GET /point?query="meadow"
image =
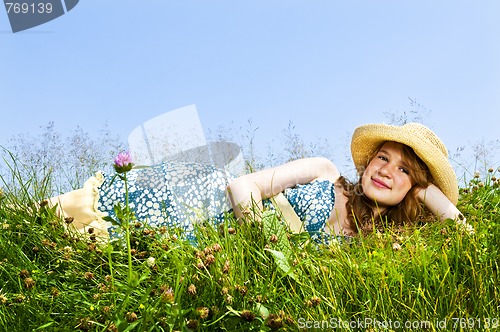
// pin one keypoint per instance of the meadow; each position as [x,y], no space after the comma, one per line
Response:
[248,277]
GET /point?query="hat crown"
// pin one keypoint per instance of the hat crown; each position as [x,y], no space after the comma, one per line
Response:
[427,135]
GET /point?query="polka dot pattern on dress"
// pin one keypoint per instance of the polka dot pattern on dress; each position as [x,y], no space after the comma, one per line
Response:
[313,203]
[176,195]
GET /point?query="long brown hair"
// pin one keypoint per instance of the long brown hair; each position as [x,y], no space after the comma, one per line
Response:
[360,208]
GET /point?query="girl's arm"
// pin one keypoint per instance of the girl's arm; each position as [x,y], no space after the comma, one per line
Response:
[434,199]
[437,202]
[249,190]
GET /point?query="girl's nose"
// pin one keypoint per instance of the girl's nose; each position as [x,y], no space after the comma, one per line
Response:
[384,171]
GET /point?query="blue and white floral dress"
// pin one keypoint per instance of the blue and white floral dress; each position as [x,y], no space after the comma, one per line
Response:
[313,203]
[177,195]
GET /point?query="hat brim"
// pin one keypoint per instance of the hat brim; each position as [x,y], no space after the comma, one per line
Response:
[367,138]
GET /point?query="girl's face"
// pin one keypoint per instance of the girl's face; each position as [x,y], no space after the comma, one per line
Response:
[386,179]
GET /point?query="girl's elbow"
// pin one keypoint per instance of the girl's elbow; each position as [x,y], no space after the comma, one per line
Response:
[328,170]
[232,186]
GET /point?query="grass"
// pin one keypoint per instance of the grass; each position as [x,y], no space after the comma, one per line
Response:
[252,277]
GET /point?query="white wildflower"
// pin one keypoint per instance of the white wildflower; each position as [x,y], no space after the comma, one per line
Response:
[150,261]
[396,246]
[464,226]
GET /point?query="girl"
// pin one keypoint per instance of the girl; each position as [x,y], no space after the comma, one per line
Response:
[400,167]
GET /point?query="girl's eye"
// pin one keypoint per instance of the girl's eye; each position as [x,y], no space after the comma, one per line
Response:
[404,170]
[384,158]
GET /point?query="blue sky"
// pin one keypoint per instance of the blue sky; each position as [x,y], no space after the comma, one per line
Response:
[327,66]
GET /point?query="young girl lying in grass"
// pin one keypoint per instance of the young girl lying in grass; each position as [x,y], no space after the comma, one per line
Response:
[401,168]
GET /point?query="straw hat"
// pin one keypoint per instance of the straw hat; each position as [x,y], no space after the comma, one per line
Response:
[421,139]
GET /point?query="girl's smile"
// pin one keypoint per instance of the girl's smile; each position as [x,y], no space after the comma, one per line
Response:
[380,183]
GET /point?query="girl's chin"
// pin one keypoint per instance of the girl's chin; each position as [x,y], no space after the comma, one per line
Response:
[379,201]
